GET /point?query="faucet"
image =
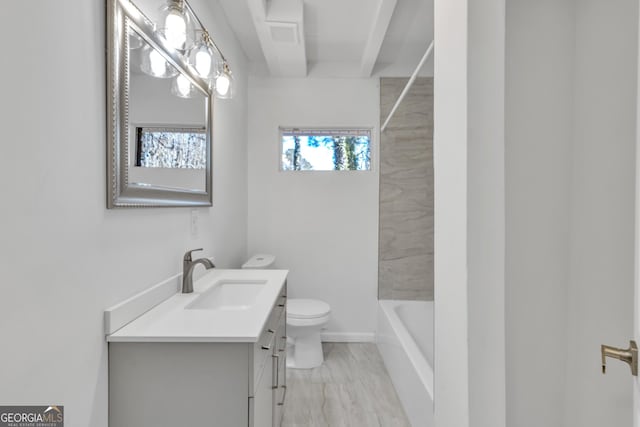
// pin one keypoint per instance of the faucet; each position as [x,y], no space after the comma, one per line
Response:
[187,270]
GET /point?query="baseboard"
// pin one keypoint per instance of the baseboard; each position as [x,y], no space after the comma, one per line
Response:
[348,337]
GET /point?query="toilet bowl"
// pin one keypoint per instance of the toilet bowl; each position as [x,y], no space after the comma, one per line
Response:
[305,319]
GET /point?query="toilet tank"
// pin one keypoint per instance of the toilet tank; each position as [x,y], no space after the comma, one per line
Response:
[260,262]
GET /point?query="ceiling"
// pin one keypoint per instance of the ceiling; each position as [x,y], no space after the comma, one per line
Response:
[333,38]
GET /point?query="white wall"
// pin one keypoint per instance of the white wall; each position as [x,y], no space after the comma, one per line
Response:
[539,134]
[451,407]
[469,213]
[322,226]
[486,212]
[64,257]
[602,211]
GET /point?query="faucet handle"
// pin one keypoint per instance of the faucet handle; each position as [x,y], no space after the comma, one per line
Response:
[187,255]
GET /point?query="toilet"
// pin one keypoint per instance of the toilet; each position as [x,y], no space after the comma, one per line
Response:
[305,319]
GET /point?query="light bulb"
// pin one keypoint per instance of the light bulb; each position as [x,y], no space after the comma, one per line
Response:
[183,86]
[222,84]
[157,62]
[175,29]
[203,63]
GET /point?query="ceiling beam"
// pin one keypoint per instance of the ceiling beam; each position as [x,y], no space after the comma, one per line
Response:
[379,27]
[280,28]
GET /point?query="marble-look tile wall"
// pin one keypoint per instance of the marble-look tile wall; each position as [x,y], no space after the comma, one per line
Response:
[405,269]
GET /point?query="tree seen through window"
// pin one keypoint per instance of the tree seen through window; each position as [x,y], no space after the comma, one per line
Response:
[331,151]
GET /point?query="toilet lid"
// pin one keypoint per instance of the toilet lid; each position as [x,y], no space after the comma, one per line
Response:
[307,308]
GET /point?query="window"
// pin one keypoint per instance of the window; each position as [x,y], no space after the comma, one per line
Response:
[325,149]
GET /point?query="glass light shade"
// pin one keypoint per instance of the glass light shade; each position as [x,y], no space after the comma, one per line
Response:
[224,84]
[176,25]
[182,87]
[203,59]
[154,64]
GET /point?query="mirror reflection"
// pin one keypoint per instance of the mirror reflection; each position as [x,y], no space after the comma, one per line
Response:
[167,121]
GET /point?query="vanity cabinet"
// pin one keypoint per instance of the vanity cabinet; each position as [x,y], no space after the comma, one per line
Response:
[269,370]
[216,384]
[280,386]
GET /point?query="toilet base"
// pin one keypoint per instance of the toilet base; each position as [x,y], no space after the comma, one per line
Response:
[305,352]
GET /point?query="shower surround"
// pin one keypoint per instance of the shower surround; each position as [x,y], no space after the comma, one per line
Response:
[405,260]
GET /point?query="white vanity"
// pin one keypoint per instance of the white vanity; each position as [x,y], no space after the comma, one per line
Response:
[215,357]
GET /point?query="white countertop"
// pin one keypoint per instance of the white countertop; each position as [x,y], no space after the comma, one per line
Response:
[170,321]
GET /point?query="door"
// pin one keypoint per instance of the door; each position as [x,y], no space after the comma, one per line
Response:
[636,306]
[261,405]
[629,354]
[617,399]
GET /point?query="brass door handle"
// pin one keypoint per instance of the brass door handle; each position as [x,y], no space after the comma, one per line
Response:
[629,355]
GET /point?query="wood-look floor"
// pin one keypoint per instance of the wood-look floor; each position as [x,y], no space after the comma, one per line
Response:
[351,389]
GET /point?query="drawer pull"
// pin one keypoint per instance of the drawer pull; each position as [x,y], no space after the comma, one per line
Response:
[266,347]
[271,331]
[280,305]
[276,365]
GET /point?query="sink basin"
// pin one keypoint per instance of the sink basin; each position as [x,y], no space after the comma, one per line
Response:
[229,295]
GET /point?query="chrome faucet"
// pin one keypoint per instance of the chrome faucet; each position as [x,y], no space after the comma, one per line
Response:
[187,270]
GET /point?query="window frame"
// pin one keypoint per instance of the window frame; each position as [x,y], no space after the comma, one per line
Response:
[328,130]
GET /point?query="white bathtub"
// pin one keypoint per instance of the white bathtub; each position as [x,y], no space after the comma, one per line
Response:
[405,340]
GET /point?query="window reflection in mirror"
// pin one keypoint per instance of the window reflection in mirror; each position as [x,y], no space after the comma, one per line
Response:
[183,148]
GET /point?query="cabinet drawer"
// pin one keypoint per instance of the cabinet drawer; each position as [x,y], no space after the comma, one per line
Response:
[261,404]
[280,389]
[262,355]
[269,341]
[282,361]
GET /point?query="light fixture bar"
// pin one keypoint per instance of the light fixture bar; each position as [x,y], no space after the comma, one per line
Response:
[210,40]
[145,28]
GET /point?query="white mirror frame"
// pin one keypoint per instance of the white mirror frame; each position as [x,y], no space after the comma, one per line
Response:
[120,192]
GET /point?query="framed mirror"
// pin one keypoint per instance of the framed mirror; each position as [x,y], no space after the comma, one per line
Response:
[159,118]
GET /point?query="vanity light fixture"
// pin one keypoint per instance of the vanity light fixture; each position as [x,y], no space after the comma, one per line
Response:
[177,26]
[221,79]
[179,30]
[182,87]
[155,65]
[204,58]
[224,83]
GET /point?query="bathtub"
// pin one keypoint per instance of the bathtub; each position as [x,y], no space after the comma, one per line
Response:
[405,340]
